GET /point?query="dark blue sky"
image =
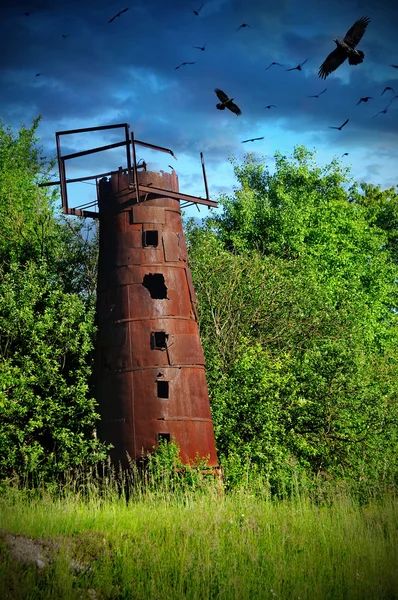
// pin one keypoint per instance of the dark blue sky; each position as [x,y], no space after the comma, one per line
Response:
[124,71]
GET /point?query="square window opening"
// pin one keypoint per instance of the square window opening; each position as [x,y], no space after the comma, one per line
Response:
[150,237]
[159,340]
[163,437]
[163,389]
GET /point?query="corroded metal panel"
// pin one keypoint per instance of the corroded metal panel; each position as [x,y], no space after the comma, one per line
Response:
[185,349]
[137,256]
[190,285]
[150,371]
[170,245]
[182,247]
[148,214]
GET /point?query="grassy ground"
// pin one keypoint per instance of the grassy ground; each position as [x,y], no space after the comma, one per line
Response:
[199,546]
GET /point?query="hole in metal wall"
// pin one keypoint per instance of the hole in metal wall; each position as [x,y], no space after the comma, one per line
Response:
[163,389]
[154,283]
[159,340]
[150,237]
[163,437]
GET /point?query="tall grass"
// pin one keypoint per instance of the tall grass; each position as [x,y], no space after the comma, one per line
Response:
[176,540]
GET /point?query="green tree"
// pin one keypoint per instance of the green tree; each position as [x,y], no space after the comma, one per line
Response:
[47,293]
[296,281]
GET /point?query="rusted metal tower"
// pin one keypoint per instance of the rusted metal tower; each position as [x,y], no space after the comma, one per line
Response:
[150,368]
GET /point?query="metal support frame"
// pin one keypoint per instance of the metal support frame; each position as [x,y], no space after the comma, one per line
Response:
[132,172]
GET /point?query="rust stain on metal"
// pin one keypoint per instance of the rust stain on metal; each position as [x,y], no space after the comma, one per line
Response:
[150,367]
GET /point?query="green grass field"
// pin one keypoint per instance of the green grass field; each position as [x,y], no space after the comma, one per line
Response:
[200,546]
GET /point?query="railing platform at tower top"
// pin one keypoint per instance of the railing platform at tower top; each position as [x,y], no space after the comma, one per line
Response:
[131,170]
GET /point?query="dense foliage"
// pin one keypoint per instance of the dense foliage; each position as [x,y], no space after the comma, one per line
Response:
[47,278]
[296,282]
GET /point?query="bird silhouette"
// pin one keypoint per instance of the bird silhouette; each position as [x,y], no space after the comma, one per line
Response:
[341,126]
[243,25]
[203,48]
[345,49]
[118,14]
[364,99]
[184,63]
[252,140]
[197,11]
[38,74]
[317,95]
[298,68]
[272,64]
[395,66]
[345,154]
[384,111]
[65,35]
[26,14]
[270,105]
[387,88]
[226,102]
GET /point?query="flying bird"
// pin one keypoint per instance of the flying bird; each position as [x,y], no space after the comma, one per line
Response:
[387,88]
[197,11]
[118,14]
[252,140]
[346,49]
[298,68]
[27,14]
[364,99]
[341,126]
[317,95]
[395,66]
[38,74]
[184,63]
[65,35]
[272,64]
[243,25]
[226,102]
[384,111]
[269,105]
[345,154]
[203,48]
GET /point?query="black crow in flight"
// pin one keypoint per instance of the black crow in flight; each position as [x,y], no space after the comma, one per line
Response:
[65,35]
[203,48]
[243,25]
[226,102]
[364,99]
[184,63]
[38,74]
[252,140]
[272,64]
[317,95]
[395,66]
[346,49]
[345,154]
[384,111]
[197,11]
[387,88]
[118,14]
[341,126]
[298,68]
[269,106]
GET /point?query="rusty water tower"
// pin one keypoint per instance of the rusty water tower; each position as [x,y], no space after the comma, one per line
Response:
[150,368]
